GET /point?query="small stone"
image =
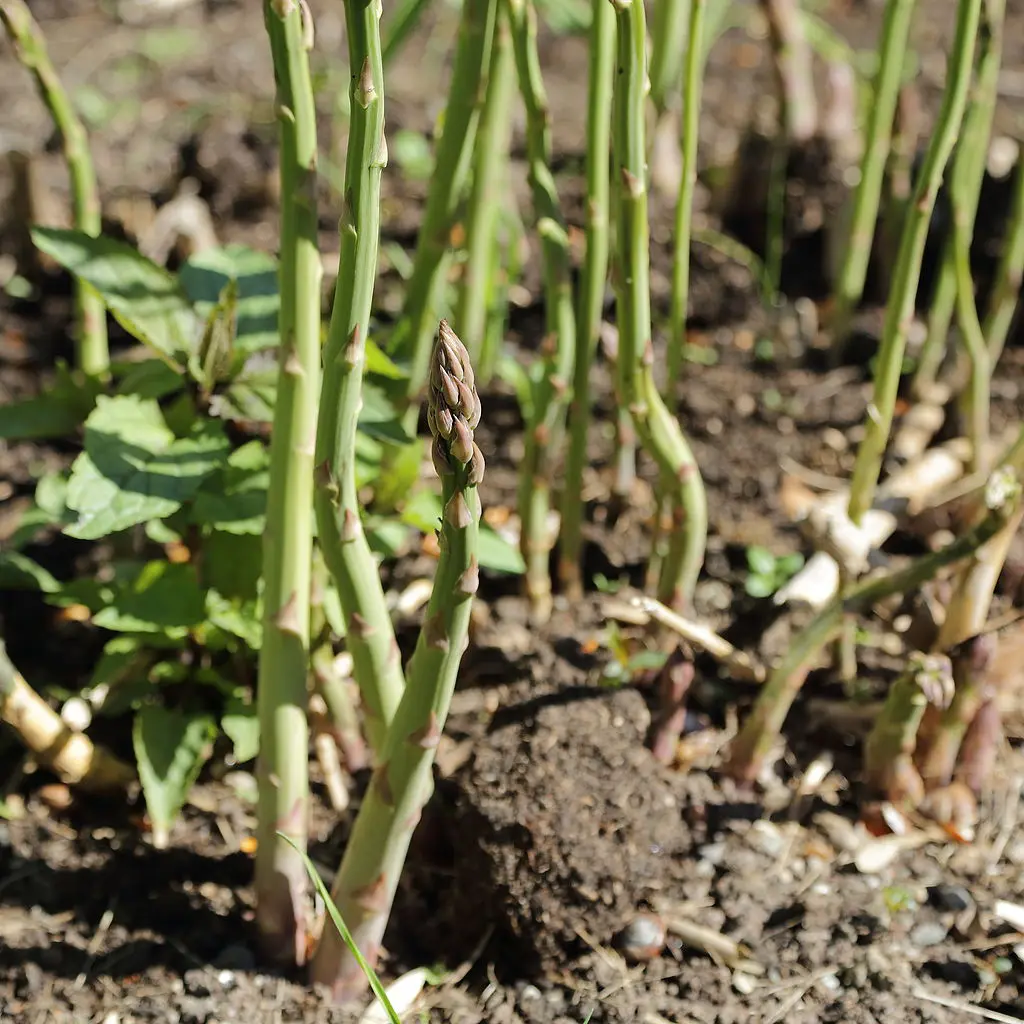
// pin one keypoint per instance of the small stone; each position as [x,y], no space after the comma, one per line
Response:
[226,979]
[830,983]
[952,898]
[530,993]
[713,853]
[743,983]
[642,939]
[928,933]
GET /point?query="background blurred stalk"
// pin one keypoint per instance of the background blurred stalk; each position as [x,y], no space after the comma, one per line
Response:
[687,188]
[965,181]
[885,94]
[656,426]
[668,43]
[370,636]
[365,885]
[793,68]
[413,335]
[1005,298]
[282,767]
[899,311]
[93,355]
[593,279]
[488,194]
[546,429]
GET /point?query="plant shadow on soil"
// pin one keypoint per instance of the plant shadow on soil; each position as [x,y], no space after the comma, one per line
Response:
[551,824]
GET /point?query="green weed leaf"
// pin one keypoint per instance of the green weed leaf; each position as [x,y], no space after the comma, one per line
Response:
[242,727]
[234,498]
[164,598]
[57,412]
[760,560]
[171,747]
[144,298]
[133,469]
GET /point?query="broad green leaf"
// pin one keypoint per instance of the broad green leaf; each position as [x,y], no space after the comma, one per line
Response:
[759,586]
[144,298]
[133,469]
[387,537]
[205,275]
[163,598]
[19,572]
[171,747]
[52,496]
[96,594]
[146,378]
[249,398]
[379,419]
[121,679]
[381,364]
[760,560]
[57,412]
[234,498]
[236,617]
[242,727]
[231,564]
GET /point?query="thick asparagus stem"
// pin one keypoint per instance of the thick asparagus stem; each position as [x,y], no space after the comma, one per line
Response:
[281,881]
[487,194]
[793,69]
[900,309]
[888,750]
[763,725]
[965,179]
[367,879]
[30,48]
[370,635]
[658,429]
[70,754]
[1006,292]
[593,279]
[454,155]
[687,187]
[546,429]
[886,89]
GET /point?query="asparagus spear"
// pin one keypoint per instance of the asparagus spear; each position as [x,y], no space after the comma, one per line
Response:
[281,880]
[365,885]
[30,49]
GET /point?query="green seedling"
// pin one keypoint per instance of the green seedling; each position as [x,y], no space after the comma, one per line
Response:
[767,573]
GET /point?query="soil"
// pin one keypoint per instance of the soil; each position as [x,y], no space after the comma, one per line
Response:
[552,826]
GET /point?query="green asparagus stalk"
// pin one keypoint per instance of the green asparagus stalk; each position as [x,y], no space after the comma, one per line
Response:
[487,194]
[454,155]
[965,180]
[891,61]
[658,429]
[762,727]
[888,750]
[905,134]
[900,309]
[668,43]
[93,355]
[281,882]
[546,427]
[1006,292]
[365,885]
[792,68]
[370,634]
[687,187]
[593,279]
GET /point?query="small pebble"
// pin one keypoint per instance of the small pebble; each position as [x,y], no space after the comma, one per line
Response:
[713,853]
[642,939]
[529,993]
[928,933]
[743,983]
[830,983]
[226,979]
[953,898]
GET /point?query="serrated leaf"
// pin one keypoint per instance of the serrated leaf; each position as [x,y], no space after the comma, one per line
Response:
[146,378]
[144,298]
[133,469]
[171,747]
[250,398]
[234,499]
[163,598]
[205,275]
[242,727]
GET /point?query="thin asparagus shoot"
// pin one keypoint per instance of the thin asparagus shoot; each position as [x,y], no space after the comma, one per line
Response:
[888,750]
[487,193]
[761,729]
[370,635]
[365,885]
[668,43]
[793,69]
[885,95]
[413,335]
[900,309]
[1005,297]
[93,355]
[282,769]
[687,187]
[657,428]
[593,279]
[965,180]
[546,429]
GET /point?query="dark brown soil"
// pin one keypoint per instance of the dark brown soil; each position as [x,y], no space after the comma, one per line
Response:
[552,826]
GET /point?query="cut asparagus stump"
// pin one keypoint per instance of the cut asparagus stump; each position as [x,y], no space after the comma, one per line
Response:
[365,885]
